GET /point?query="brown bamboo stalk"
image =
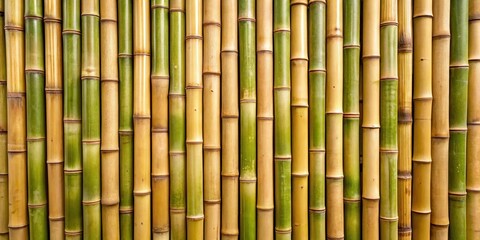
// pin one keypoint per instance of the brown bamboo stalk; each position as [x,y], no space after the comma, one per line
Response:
[405,48]
[230,112]
[141,119]
[440,122]
[109,143]
[265,197]
[17,165]
[54,105]
[3,132]
[371,119]
[211,122]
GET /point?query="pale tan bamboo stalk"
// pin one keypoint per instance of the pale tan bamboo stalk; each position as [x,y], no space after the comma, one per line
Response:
[109,143]
[211,122]
[405,48]
[299,108]
[141,120]
[54,105]
[3,132]
[265,197]
[440,122]
[473,136]
[334,120]
[371,119]
[230,112]
[422,97]
[17,164]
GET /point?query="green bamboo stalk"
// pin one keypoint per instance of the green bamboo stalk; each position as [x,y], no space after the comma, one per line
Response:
[125,61]
[317,78]
[72,114]
[247,69]
[458,119]
[282,121]
[3,132]
[177,119]
[351,118]
[36,145]
[388,120]
[91,119]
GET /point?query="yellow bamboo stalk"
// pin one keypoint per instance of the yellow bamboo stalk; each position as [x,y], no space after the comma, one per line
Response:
[3,132]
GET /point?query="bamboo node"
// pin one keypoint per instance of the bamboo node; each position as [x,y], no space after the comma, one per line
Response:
[385,79]
[71,31]
[317,70]
[20,95]
[264,118]
[388,23]
[217,24]
[177,10]
[247,100]
[317,1]
[283,230]
[176,153]
[367,57]
[234,116]
[177,210]
[319,210]
[159,130]
[17,227]
[230,51]
[352,200]
[160,176]
[35,139]
[422,161]
[125,55]
[141,54]
[388,219]
[282,88]
[37,205]
[246,19]
[176,95]
[106,20]
[112,202]
[125,132]
[423,15]
[298,3]
[52,20]
[90,78]
[334,35]
[193,37]
[229,233]
[311,150]
[298,59]
[266,208]
[404,175]
[440,36]
[33,17]
[351,115]
[194,142]
[457,194]
[126,210]
[352,45]
[230,175]
[141,192]
[13,28]
[16,151]
[459,65]
[164,229]
[334,177]
[90,202]
[211,148]
[113,80]
[73,233]
[155,6]
[211,73]
[264,51]
[212,201]
[195,217]
[90,141]
[283,158]
[280,30]
[458,129]
[299,105]
[96,15]
[53,91]
[473,190]
[421,212]
[374,199]
[72,171]
[160,77]
[248,180]
[109,150]
[34,71]
[193,87]
[300,175]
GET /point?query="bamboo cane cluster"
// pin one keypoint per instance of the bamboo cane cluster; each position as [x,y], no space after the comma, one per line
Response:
[248,119]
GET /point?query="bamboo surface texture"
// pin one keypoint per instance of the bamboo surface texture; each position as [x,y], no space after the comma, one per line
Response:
[3,131]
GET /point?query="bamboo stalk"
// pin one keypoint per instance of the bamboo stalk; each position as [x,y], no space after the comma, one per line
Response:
[36,144]
[141,120]
[299,109]
[282,121]
[159,82]
[17,164]
[422,97]
[371,119]
[211,122]
[351,119]
[125,131]
[473,121]
[194,114]
[317,77]
[458,119]
[334,121]
[265,199]
[229,78]
[72,113]
[388,120]
[247,96]
[54,110]
[440,123]
[405,66]
[109,108]
[3,132]
[91,119]
[177,120]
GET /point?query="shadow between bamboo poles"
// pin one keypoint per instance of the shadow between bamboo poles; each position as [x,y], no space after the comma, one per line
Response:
[54,108]
[265,198]
[405,66]
[473,137]
[160,84]
[440,119]
[230,113]
[3,131]
[17,165]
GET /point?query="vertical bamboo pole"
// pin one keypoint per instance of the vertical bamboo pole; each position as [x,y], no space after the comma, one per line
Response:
[265,199]
[351,118]
[440,123]
[371,119]
[211,122]
[334,120]
[316,98]
[299,109]
[473,137]
[177,120]
[141,120]
[282,121]
[405,66]
[109,105]
[230,171]
[422,97]
[54,108]
[36,144]
[91,119]
[72,119]
[160,81]
[3,131]
[17,164]
[125,131]
[458,119]
[194,113]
